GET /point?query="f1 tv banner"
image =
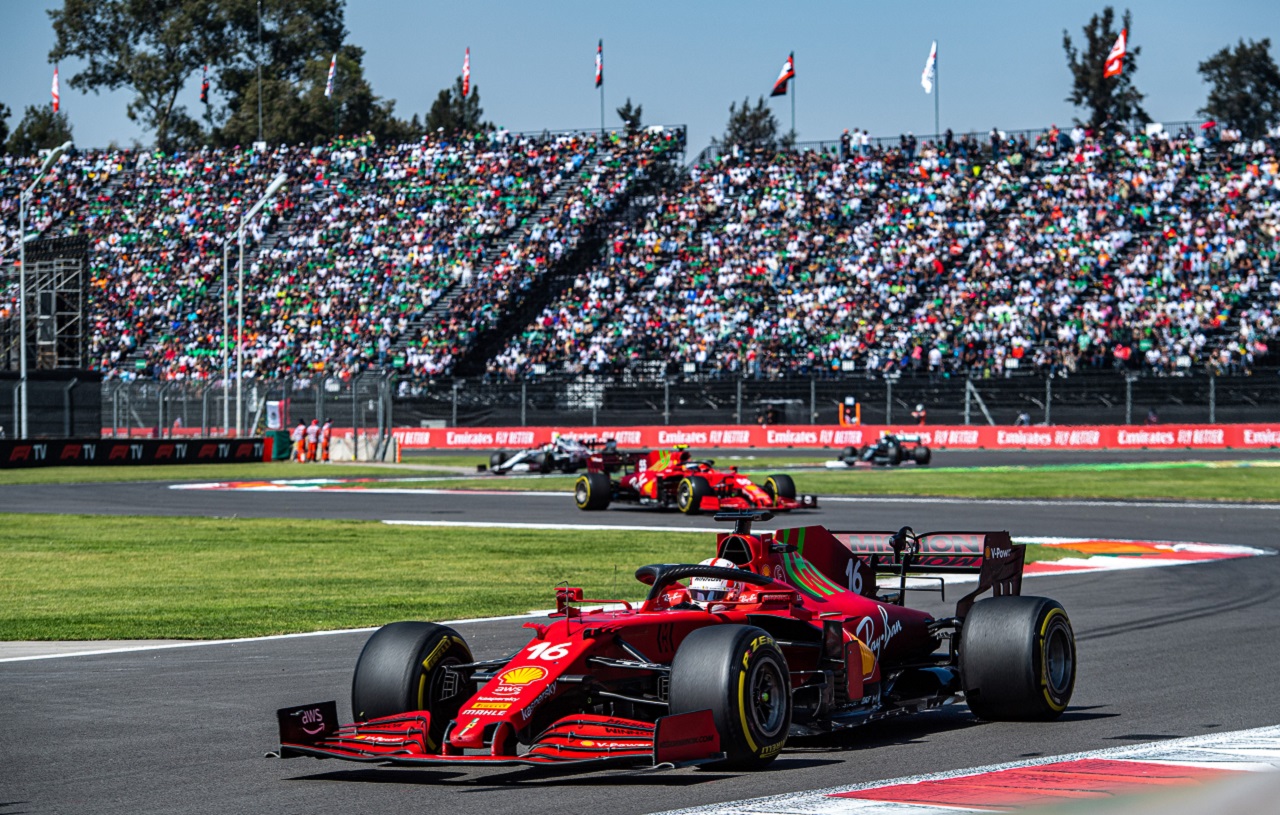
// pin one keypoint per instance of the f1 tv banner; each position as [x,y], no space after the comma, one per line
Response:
[123,452]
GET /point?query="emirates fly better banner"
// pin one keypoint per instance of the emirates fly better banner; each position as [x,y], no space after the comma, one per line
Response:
[1099,437]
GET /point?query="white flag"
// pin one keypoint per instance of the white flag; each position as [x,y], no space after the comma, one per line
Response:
[926,78]
[333,71]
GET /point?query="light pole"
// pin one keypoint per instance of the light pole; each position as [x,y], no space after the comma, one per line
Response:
[54,155]
[226,354]
[276,183]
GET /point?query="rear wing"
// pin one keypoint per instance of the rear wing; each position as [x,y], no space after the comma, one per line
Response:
[855,559]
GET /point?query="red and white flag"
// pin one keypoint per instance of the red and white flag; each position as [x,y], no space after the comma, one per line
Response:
[788,74]
[56,95]
[600,64]
[926,78]
[333,71]
[1115,60]
[466,73]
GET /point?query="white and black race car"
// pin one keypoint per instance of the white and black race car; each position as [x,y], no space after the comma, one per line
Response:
[887,451]
[563,454]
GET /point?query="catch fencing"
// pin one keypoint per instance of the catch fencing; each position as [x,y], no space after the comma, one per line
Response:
[373,403]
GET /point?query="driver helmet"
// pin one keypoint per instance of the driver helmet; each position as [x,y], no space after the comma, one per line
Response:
[703,591]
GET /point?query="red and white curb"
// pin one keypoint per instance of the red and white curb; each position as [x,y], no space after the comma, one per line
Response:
[1069,779]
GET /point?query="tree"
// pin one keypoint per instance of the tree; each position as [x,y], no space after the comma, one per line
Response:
[455,114]
[292,50]
[4,124]
[1109,100]
[751,128]
[630,116]
[1245,87]
[40,129]
[149,46]
[299,112]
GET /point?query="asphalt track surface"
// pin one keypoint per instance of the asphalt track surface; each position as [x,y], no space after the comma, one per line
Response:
[1163,653]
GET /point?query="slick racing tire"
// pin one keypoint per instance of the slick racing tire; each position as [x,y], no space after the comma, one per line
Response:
[922,456]
[1017,659]
[849,454]
[592,491]
[496,459]
[740,675]
[403,668]
[780,486]
[893,453]
[690,492]
[547,464]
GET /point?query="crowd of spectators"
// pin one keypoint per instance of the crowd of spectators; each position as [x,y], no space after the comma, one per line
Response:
[1066,251]
[1059,252]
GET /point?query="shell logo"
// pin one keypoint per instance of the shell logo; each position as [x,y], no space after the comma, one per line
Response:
[588,744]
[523,675]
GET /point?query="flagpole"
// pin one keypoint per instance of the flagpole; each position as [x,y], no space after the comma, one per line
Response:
[602,108]
[936,92]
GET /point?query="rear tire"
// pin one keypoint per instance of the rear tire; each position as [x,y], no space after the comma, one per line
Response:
[592,491]
[780,486]
[1017,659]
[740,675]
[922,456]
[402,668]
[690,492]
[893,452]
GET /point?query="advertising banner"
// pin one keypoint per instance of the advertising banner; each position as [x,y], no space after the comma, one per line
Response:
[972,437]
[113,452]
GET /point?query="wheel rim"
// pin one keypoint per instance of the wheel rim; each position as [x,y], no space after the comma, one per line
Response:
[1059,661]
[581,493]
[684,495]
[767,701]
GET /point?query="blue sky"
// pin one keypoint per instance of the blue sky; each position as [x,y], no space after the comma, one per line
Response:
[858,63]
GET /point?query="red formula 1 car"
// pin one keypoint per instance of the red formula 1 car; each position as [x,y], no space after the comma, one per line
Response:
[783,634]
[673,479]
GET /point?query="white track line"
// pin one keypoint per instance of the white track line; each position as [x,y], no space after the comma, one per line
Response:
[129,649]
[1245,750]
[840,499]
[1052,502]
[559,527]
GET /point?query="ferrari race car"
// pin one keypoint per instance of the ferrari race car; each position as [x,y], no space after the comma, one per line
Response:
[783,634]
[887,451]
[563,454]
[672,479]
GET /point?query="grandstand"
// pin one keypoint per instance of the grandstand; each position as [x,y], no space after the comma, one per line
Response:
[521,256]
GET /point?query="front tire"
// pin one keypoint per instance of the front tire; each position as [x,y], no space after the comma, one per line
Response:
[740,675]
[592,491]
[1017,659]
[496,459]
[780,486]
[403,668]
[690,492]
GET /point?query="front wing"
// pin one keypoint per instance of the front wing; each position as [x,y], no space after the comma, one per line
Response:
[713,503]
[584,740]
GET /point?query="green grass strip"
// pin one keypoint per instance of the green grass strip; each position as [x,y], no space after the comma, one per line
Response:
[68,577]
